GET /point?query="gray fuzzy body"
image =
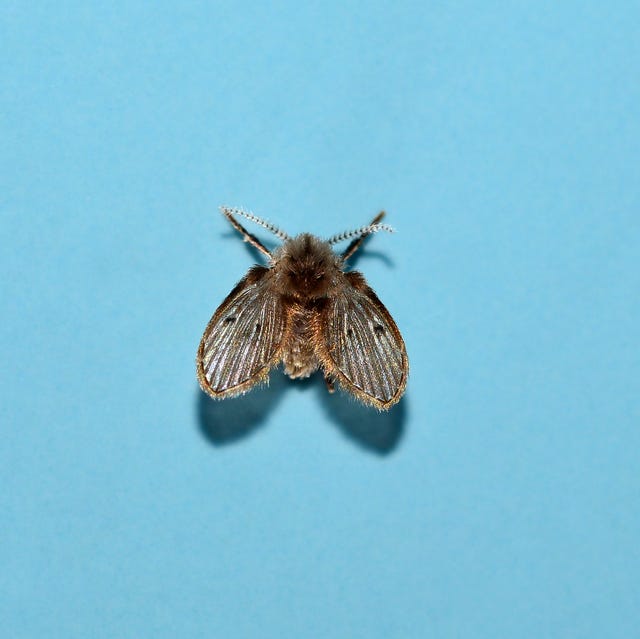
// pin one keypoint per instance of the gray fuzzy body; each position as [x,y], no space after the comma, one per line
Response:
[307,272]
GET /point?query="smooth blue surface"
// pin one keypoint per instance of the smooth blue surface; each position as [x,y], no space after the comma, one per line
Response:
[500,499]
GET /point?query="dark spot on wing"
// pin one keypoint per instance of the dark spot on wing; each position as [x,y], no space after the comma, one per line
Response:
[228,320]
[378,328]
[258,327]
[349,332]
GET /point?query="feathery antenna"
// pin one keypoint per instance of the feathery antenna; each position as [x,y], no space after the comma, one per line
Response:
[256,220]
[362,231]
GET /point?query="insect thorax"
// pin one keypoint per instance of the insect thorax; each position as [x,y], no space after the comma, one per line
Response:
[306,268]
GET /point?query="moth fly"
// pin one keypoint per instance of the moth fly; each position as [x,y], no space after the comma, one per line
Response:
[305,311]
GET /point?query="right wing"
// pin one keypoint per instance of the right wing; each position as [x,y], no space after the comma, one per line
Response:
[361,345]
[243,339]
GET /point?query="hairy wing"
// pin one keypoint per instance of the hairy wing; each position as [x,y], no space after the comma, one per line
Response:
[363,346]
[242,341]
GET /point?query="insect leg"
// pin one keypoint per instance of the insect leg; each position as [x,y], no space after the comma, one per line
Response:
[331,383]
[355,245]
[248,237]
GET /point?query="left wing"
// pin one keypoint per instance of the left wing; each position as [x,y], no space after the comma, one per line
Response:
[243,339]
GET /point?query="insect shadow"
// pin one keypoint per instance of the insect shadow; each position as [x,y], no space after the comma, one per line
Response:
[375,431]
[228,421]
[366,253]
[232,420]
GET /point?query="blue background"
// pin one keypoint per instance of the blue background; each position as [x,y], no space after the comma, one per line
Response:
[500,498]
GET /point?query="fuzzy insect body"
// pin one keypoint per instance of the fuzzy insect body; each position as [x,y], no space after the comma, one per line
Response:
[305,311]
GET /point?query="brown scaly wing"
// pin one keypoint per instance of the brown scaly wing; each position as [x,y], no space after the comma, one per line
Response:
[243,339]
[361,345]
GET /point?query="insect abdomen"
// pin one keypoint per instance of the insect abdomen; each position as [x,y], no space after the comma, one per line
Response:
[298,356]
